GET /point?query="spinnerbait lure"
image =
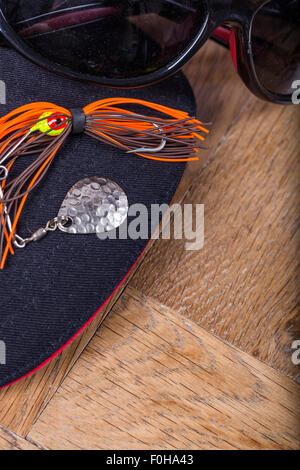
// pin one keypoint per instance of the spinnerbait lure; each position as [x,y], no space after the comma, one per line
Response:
[42,128]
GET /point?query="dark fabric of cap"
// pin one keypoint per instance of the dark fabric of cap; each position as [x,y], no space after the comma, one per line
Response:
[50,289]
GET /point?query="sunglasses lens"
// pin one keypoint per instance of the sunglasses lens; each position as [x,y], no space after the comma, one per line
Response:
[276,45]
[113,39]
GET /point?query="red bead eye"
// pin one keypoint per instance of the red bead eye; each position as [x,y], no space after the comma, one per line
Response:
[57,121]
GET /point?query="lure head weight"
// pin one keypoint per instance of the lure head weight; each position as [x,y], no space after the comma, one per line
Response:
[55,121]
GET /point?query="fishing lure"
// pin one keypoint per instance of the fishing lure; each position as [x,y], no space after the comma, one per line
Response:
[162,134]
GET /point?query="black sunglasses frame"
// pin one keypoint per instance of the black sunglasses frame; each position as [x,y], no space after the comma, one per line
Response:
[238,14]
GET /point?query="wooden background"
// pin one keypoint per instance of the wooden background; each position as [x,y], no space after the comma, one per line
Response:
[197,351]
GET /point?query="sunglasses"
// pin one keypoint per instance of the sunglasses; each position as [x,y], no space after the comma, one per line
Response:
[131,43]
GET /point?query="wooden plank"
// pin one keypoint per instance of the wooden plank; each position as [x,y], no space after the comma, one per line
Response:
[152,379]
[22,403]
[10,441]
[242,285]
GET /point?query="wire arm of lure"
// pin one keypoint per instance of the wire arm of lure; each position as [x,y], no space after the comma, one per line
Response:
[3,208]
[16,146]
[3,178]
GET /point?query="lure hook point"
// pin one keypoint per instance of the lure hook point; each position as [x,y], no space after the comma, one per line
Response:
[151,149]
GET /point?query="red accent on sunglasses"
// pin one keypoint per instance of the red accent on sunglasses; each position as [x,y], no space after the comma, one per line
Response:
[227,36]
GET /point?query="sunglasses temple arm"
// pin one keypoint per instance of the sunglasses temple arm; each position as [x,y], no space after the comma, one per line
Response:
[221,35]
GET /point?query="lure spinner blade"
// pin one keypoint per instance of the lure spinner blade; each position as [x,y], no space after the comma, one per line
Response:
[92,205]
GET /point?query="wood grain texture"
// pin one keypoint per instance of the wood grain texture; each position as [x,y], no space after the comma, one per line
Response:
[242,285]
[10,441]
[152,379]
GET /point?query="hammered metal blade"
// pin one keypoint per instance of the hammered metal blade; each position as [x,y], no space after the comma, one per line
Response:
[94,205]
